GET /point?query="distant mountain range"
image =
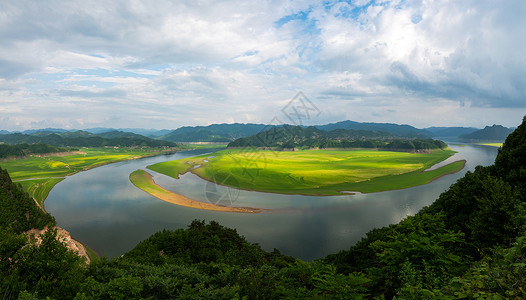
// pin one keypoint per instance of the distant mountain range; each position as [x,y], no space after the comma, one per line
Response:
[214,132]
[449,132]
[84,139]
[229,132]
[291,137]
[495,133]
[394,129]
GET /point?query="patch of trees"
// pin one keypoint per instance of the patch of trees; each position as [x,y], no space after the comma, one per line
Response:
[470,243]
[26,149]
[86,139]
[290,137]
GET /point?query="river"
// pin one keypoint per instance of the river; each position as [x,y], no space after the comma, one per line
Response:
[101,208]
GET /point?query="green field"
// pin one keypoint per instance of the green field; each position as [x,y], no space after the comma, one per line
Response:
[39,188]
[38,174]
[491,144]
[313,172]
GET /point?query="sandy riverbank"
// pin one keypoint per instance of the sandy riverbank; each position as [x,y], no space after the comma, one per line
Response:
[145,182]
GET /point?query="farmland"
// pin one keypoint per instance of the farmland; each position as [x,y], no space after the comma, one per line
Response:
[314,172]
[39,173]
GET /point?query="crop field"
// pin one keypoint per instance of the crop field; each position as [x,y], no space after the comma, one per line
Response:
[491,144]
[313,172]
[38,174]
[39,188]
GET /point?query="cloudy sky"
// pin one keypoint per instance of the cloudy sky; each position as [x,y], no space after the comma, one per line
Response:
[165,64]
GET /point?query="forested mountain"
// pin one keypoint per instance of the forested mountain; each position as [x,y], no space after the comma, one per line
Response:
[141,131]
[489,133]
[213,133]
[470,243]
[18,212]
[230,132]
[451,132]
[394,129]
[85,139]
[290,137]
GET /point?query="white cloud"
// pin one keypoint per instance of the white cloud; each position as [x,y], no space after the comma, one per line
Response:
[200,62]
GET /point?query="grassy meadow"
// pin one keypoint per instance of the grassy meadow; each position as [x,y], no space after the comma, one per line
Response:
[313,172]
[38,174]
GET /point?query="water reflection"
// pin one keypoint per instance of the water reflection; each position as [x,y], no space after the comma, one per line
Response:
[101,208]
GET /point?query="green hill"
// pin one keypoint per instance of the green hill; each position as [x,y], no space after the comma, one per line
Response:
[393,129]
[290,137]
[495,133]
[213,133]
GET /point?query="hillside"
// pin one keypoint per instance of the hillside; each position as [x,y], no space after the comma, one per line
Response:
[213,133]
[84,139]
[495,133]
[450,132]
[393,129]
[18,211]
[25,149]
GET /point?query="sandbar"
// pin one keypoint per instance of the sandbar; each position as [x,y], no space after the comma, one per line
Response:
[145,182]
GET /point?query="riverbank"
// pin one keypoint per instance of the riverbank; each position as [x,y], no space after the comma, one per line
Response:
[144,181]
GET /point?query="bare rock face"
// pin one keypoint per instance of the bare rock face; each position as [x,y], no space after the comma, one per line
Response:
[63,236]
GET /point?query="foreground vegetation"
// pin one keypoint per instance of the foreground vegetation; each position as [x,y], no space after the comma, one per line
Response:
[313,172]
[38,174]
[469,244]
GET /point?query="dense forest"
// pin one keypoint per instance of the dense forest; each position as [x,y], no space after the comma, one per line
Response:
[291,137]
[85,139]
[26,149]
[470,243]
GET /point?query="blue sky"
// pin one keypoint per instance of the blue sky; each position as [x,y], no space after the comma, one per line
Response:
[165,64]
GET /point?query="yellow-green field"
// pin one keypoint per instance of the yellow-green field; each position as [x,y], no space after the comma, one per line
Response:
[313,172]
[491,144]
[38,174]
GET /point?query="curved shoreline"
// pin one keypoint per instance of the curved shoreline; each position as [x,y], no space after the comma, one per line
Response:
[144,181]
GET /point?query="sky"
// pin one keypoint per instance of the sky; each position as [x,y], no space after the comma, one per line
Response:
[165,64]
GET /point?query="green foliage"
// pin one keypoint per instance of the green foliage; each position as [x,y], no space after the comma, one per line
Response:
[419,251]
[200,243]
[18,211]
[501,275]
[48,269]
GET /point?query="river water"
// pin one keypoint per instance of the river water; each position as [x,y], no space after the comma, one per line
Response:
[102,209]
